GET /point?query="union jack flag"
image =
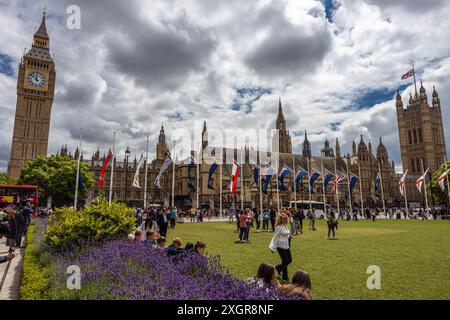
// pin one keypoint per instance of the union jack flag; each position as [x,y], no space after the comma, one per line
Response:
[337,181]
[167,163]
[410,73]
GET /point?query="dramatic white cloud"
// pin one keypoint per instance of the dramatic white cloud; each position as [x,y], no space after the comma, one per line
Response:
[135,65]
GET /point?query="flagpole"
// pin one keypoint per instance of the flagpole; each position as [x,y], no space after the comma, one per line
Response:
[276,177]
[242,182]
[295,187]
[337,187]
[145,179]
[382,187]
[323,188]
[220,188]
[173,174]
[448,185]
[309,184]
[349,190]
[360,189]
[198,176]
[425,186]
[406,198]
[112,168]
[75,202]
[260,185]
[415,85]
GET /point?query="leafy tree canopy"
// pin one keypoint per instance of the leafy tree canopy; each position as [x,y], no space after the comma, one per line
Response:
[56,178]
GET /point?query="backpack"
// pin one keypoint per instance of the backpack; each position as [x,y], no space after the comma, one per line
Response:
[4,228]
[19,216]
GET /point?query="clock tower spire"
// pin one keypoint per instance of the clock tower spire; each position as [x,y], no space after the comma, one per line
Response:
[35,92]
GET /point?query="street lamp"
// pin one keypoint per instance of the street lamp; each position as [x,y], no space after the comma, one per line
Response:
[127,154]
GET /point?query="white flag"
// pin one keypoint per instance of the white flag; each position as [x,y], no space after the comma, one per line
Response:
[442,180]
[401,183]
[421,180]
[136,175]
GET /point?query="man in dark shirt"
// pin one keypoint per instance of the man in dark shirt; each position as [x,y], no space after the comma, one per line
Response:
[273,216]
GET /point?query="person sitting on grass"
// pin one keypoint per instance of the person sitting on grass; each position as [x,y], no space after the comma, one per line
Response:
[161,242]
[199,247]
[151,238]
[300,286]
[265,276]
[4,231]
[189,247]
[175,248]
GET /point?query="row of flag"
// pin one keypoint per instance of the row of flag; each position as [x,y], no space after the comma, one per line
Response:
[267,171]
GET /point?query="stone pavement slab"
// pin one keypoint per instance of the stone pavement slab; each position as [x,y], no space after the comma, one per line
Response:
[10,273]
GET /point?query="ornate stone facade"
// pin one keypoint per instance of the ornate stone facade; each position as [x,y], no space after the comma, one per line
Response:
[422,140]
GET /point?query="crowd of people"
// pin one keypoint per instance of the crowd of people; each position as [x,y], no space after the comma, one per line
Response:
[14,222]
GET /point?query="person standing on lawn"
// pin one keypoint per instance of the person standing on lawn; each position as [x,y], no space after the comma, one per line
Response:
[281,243]
[173,217]
[332,223]
[242,226]
[273,216]
[266,218]
[163,222]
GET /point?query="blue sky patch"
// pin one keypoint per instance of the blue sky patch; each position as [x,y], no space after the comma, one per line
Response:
[330,7]
[370,98]
[6,65]
[245,97]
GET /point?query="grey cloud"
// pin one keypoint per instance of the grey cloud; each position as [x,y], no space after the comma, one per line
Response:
[416,6]
[288,50]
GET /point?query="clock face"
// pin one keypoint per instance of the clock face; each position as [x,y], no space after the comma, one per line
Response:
[36,79]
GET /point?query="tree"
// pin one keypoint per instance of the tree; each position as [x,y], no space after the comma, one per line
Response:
[5,179]
[56,178]
[434,191]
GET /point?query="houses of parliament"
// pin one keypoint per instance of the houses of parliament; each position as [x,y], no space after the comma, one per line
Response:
[421,138]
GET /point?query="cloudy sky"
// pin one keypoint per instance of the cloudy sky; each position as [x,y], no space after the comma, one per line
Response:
[133,65]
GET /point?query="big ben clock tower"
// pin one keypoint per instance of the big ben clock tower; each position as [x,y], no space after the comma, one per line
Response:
[35,91]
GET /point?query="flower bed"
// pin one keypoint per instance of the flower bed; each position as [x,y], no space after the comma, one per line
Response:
[121,270]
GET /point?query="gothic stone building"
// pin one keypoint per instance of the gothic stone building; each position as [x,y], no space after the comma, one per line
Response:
[184,197]
[35,92]
[422,140]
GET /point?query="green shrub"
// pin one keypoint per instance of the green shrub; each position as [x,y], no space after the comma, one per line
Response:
[34,283]
[99,221]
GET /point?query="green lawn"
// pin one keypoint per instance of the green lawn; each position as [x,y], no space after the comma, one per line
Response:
[414,256]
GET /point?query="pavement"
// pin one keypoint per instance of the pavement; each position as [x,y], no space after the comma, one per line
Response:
[10,273]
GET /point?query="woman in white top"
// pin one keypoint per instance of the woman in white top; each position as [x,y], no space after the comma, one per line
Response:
[280,243]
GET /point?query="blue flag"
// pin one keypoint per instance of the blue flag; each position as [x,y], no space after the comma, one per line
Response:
[256,175]
[211,172]
[80,181]
[312,180]
[190,183]
[377,182]
[353,180]
[327,179]
[298,178]
[283,174]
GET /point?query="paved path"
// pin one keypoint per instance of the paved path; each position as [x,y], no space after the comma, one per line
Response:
[10,273]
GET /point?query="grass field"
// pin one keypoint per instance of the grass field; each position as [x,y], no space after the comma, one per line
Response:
[414,256]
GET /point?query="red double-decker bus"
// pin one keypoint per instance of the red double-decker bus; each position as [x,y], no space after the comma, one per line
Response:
[12,194]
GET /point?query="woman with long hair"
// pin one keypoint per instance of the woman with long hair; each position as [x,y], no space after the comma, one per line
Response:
[265,276]
[300,286]
[281,243]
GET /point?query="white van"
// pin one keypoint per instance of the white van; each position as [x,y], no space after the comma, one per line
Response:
[306,205]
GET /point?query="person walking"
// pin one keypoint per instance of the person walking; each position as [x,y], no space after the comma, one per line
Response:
[332,223]
[258,220]
[173,217]
[273,216]
[312,219]
[242,226]
[298,219]
[281,242]
[163,222]
[249,224]
[265,219]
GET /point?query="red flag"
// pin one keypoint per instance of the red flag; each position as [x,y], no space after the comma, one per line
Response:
[101,180]
[234,176]
[410,73]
